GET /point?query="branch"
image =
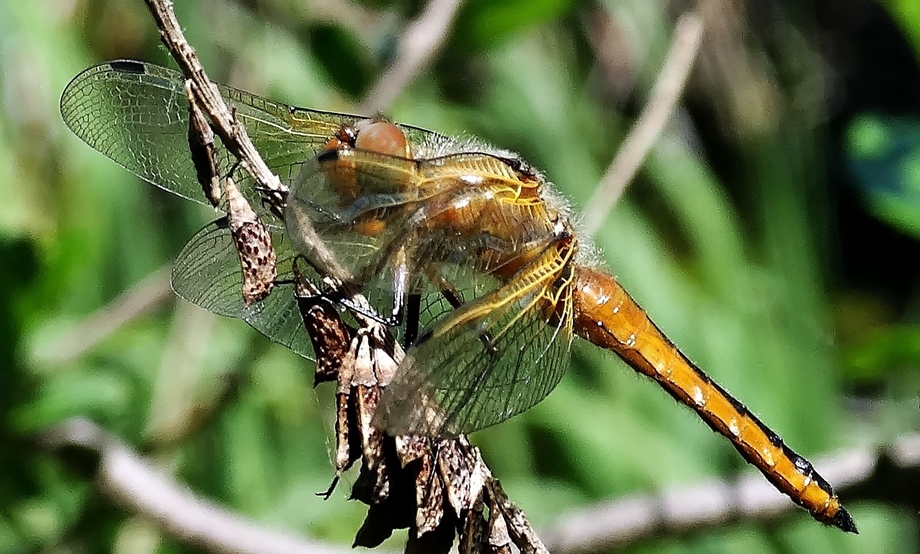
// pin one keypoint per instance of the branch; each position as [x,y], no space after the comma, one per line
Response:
[361,21]
[626,520]
[656,113]
[134,483]
[416,46]
[141,299]
[128,480]
[231,133]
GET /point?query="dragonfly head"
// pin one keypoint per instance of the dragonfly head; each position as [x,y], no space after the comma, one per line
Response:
[382,137]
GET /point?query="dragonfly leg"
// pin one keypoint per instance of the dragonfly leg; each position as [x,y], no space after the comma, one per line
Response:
[343,296]
[413,308]
[340,295]
[435,452]
[398,315]
[402,276]
[326,494]
[400,288]
[453,298]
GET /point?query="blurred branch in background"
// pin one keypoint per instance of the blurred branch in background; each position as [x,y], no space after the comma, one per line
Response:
[711,504]
[357,18]
[685,44]
[128,480]
[865,473]
[182,400]
[141,299]
[417,44]
[416,47]
[133,483]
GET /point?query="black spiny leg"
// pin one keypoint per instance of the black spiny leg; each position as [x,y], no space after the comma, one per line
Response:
[413,309]
[455,300]
[453,297]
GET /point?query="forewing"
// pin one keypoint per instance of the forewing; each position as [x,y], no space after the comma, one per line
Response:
[487,361]
[207,273]
[137,114]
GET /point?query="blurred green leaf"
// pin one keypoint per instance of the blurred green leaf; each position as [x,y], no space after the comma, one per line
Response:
[883,155]
[103,395]
[884,351]
[907,14]
[347,62]
[483,24]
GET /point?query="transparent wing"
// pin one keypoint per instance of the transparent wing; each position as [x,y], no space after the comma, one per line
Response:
[491,359]
[137,114]
[207,273]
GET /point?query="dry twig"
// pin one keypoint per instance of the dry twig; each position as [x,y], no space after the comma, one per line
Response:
[132,482]
[141,299]
[646,129]
[416,47]
[703,505]
[869,473]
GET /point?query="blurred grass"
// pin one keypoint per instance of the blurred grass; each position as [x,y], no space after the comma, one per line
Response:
[728,261]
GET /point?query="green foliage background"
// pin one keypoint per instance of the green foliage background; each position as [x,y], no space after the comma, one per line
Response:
[728,237]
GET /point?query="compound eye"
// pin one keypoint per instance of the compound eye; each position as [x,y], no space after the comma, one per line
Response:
[382,137]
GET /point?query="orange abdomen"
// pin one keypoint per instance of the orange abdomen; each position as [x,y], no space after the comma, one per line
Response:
[607,316]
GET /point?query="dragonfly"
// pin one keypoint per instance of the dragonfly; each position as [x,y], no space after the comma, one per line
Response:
[466,249]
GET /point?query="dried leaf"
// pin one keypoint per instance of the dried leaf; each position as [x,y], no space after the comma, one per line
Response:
[253,244]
